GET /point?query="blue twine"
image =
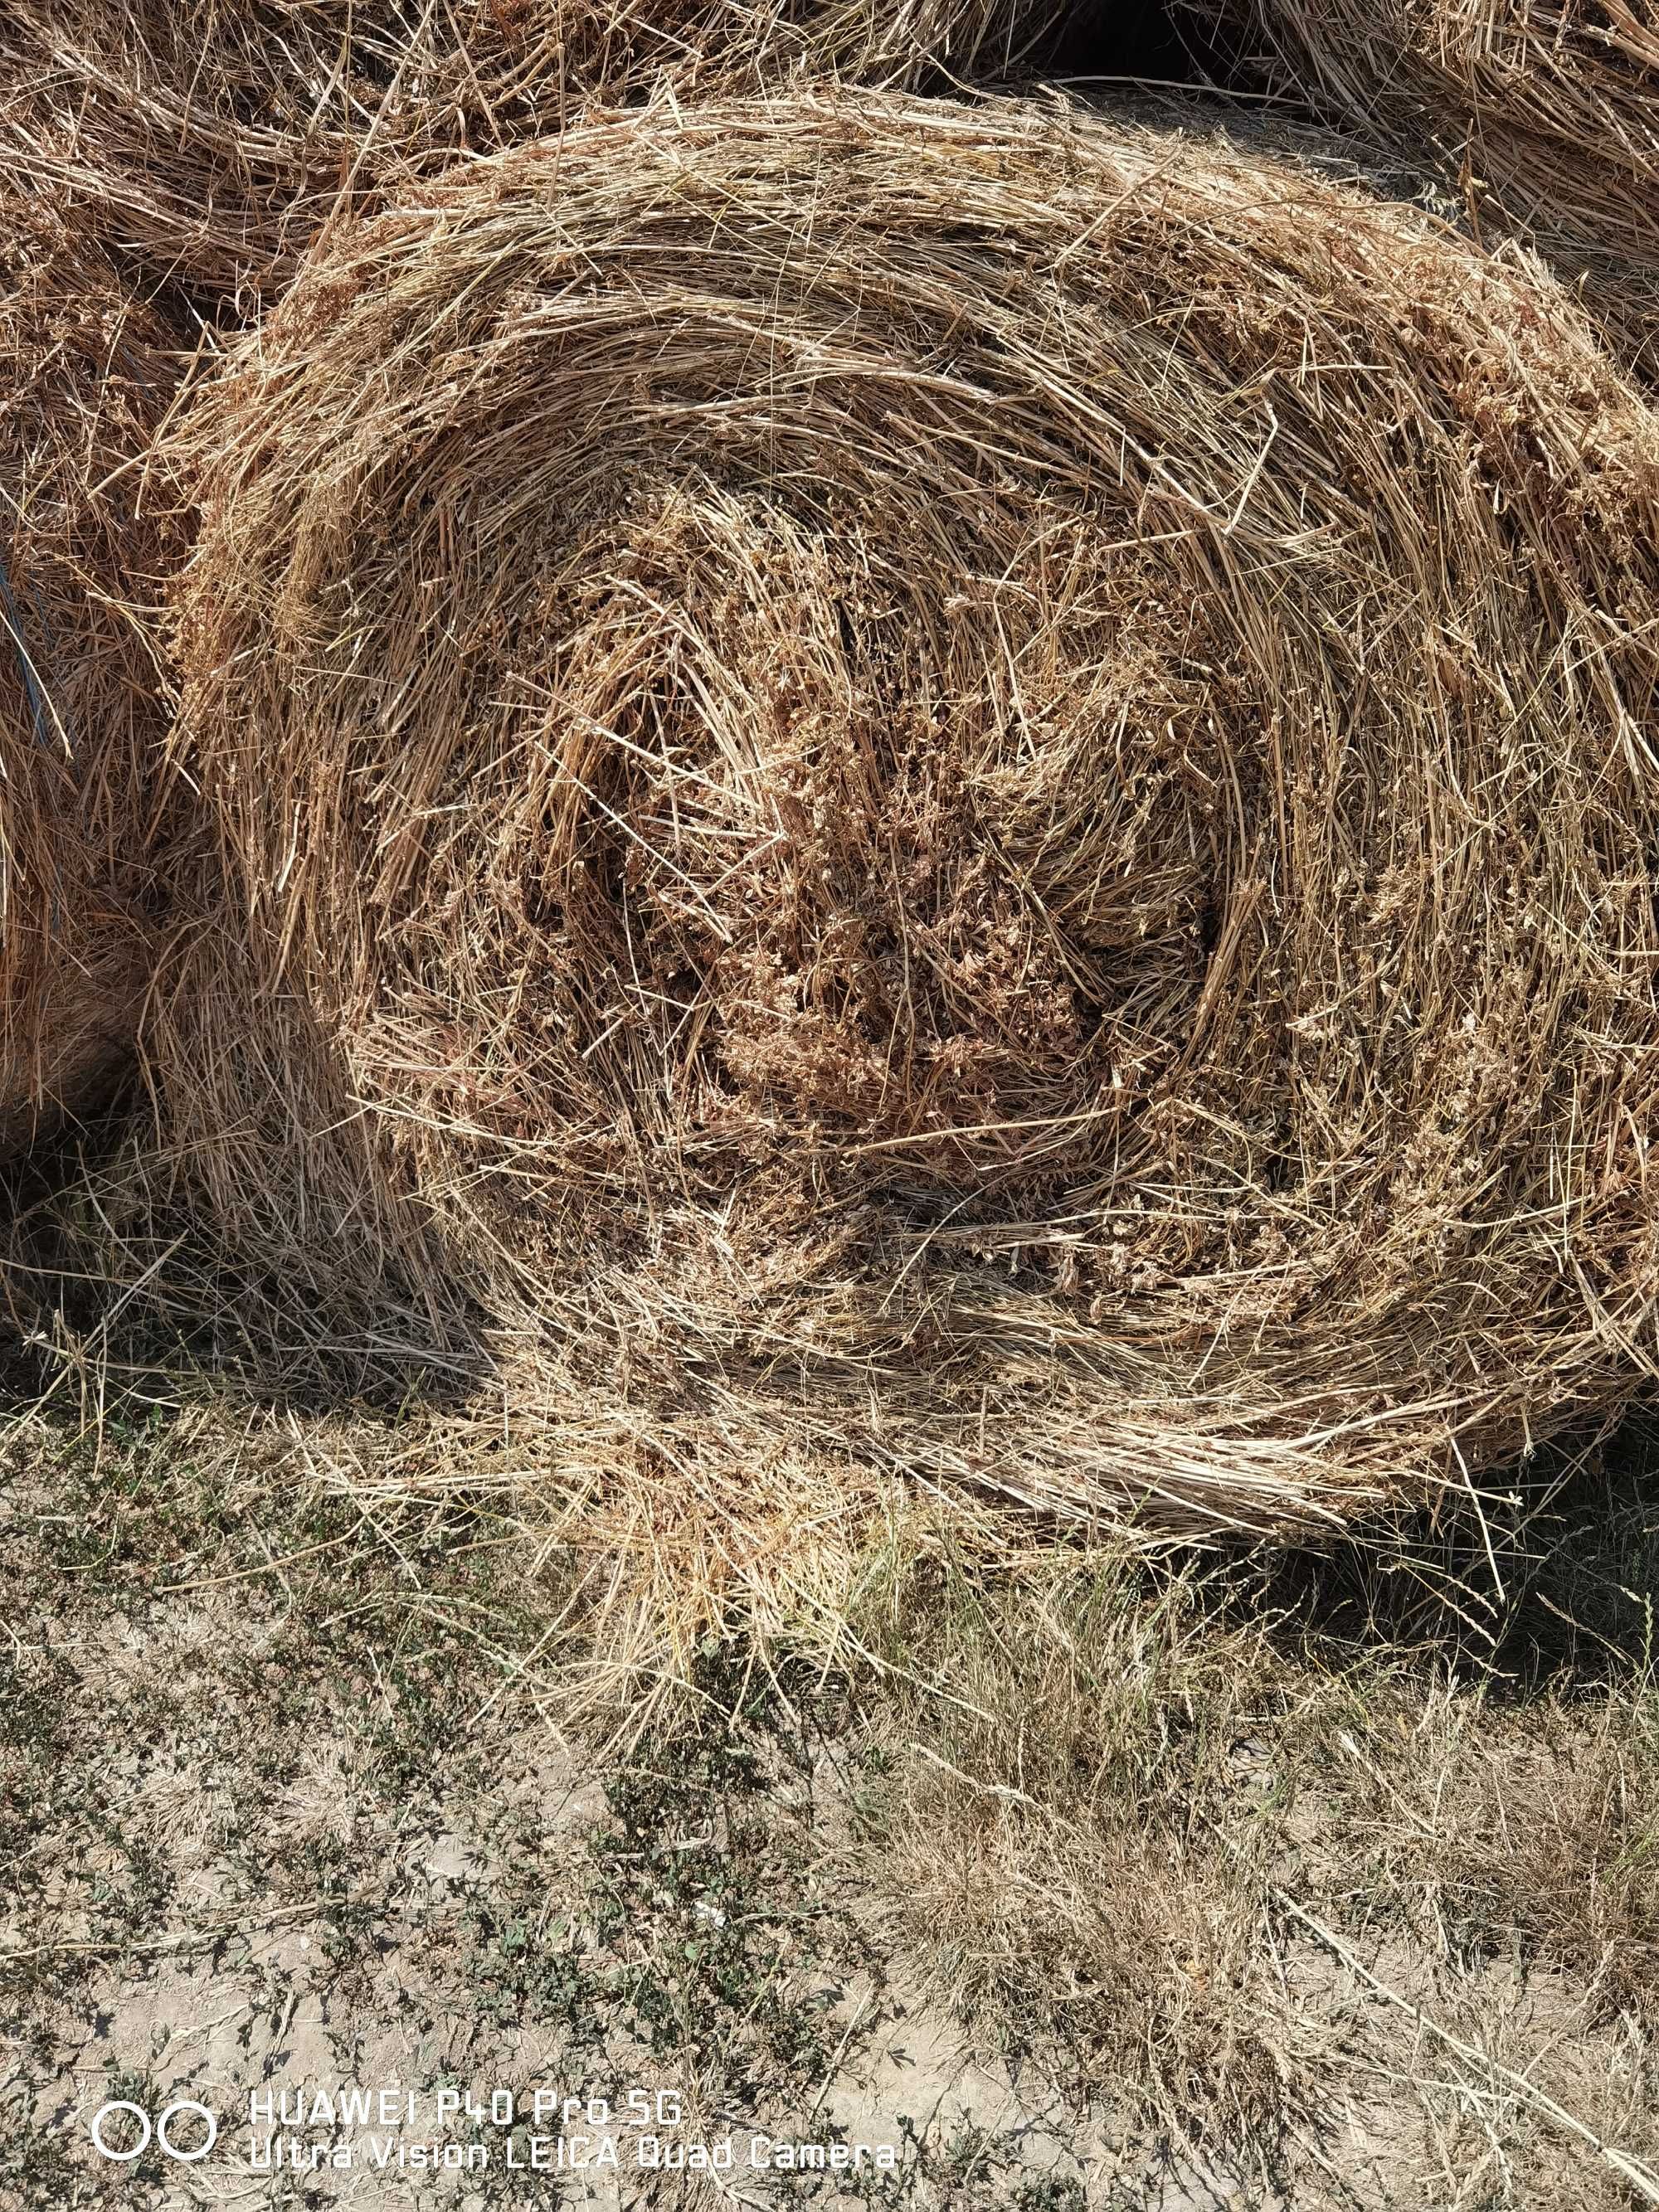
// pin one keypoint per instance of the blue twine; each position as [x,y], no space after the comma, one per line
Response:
[39,707]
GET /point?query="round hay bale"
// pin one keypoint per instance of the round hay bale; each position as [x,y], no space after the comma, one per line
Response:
[87,381]
[215,138]
[1543,119]
[955,789]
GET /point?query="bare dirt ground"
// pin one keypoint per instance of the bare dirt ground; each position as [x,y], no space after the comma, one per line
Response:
[1187,1885]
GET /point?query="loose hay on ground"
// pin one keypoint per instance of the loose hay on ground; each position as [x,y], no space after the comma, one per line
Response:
[88,373]
[942,793]
[215,137]
[1543,119]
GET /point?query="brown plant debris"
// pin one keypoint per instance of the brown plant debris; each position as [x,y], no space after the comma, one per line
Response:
[960,792]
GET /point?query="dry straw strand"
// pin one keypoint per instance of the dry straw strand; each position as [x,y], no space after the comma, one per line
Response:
[947,793]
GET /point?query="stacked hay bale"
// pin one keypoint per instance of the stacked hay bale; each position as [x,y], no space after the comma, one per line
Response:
[80,713]
[936,789]
[196,150]
[1543,119]
[215,138]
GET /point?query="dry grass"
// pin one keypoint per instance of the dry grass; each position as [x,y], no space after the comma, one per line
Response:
[89,374]
[1173,1871]
[1267,1884]
[215,137]
[1544,119]
[942,793]
[1539,1829]
[1073,1846]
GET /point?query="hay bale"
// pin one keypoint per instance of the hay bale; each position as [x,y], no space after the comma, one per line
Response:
[1543,120]
[89,377]
[214,138]
[940,789]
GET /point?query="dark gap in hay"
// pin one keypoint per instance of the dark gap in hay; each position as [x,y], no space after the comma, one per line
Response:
[47,1172]
[111,1282]
[83,548]
[1148,40]
[1545,1580]
[78,1312]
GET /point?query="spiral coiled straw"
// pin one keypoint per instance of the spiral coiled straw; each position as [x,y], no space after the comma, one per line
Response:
[948,790]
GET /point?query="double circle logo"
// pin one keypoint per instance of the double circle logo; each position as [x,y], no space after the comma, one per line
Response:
[158,2129]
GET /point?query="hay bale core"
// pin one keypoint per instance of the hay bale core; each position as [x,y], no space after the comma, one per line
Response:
[959,790]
